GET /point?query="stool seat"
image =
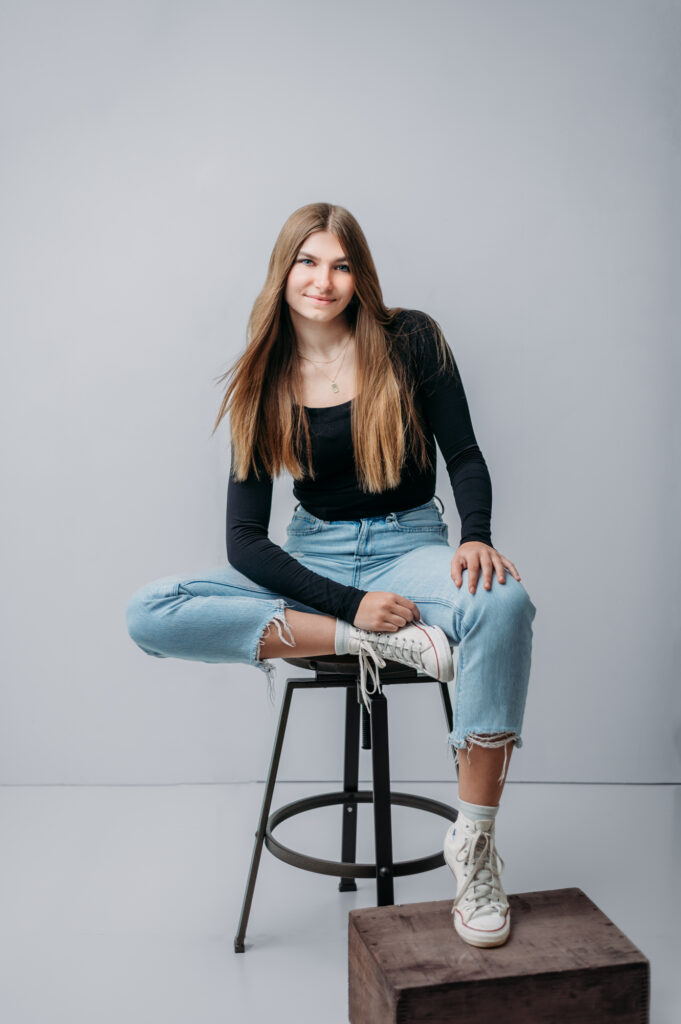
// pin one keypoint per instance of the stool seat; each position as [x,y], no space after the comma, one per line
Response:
[344,663]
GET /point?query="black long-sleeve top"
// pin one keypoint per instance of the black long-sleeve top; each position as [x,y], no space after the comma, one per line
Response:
[335,492]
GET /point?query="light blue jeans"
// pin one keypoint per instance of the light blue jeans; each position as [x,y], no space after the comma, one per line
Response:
[221,615]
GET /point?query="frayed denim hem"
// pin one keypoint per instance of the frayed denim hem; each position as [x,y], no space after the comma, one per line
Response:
[279,619]
[491,741]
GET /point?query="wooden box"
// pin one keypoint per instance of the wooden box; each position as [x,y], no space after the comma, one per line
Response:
[564,963]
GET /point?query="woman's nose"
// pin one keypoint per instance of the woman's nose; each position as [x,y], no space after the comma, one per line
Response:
[323,278]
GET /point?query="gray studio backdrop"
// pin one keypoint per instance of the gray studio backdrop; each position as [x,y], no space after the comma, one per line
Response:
[514,165]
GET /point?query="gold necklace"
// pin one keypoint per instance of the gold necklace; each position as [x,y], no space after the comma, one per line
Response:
[326,362]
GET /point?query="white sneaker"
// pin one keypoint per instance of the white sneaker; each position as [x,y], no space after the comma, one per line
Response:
[482,916]
[416,644]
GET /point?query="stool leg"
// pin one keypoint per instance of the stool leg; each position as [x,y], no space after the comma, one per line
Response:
[382,816]
[366,728]
[264,814]
[447,703]
[350,785]
[449,715]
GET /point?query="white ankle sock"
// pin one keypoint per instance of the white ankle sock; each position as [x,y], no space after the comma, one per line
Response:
[477,812]
[341,644]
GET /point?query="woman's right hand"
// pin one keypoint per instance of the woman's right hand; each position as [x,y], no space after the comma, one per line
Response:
[382,612]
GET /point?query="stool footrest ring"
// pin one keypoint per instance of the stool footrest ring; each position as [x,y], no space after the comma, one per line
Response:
[350,869]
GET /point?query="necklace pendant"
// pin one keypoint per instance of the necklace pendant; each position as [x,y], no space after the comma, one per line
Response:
[334,386]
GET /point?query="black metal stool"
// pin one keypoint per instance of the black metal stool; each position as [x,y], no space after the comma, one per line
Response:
[343,670]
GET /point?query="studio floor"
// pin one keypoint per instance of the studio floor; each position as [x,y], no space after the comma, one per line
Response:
[118,904]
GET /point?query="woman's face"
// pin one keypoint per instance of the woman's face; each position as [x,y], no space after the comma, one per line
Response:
[320,283]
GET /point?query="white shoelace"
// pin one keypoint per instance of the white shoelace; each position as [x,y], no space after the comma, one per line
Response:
[487,896]
[409,651]
[368,671]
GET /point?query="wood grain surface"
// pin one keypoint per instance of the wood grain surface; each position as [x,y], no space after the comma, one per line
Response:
[564,962]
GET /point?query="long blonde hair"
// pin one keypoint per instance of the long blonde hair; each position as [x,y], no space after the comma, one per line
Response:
[263,392]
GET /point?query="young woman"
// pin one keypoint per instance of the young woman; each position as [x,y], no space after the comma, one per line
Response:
[350,397]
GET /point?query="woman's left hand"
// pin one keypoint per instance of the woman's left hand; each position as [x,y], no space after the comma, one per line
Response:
[476,556]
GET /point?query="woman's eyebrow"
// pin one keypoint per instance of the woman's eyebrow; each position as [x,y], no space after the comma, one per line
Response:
[340,259]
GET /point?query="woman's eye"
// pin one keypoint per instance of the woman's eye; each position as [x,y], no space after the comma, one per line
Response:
[341,266]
